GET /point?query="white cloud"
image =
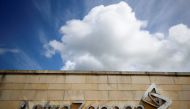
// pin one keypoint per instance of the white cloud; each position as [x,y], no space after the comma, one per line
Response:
[7,50]
[52,47]
[112,38]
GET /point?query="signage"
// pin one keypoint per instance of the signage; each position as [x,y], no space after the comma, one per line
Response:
[76,105]
[151,98]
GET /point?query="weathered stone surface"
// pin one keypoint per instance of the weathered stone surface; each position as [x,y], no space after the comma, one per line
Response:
[10,95]
[121,95]
[124,79]
[13,78]
[36,86]
[41,95]
[34,79]
[182,80]
[75,79]
[74,95]
[185,87]
[84,86]
[140,80]
[96,79]
[108,88]
[184,95]
[132,87]
[60,79]
[180,105]
[59,86]
[12,86]
[161,80]
[173,95]
[112,78]
[55,95]
[96,95]
[9,104]
[170,87]
[138,95]
[92,79]
[102,79]
[28,94]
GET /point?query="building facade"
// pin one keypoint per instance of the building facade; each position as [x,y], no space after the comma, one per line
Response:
[94,90]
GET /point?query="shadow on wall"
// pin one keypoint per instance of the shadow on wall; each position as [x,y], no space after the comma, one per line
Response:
[2,78]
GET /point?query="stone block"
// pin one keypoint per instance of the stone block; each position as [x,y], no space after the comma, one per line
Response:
[91,79]
[121,95]
[128,102]
[33,79]
[180,105]
[102,79]
[107,86]
[184,105]
[170,87]
[84,86]
[140,80]
[12,86]
[182,80]
[36,86]
[173,95]
[59,86]
[34,95]
[52,78]
[113,78]
[55,95]
[132,87]
[75,79]
[138,95]
[185,87]
[9,104]
[28,94]
[162,79]
[96,79]
[48,79]
[60,79]
[74,95]
[175,105]
[184,95]
[124,79]
[41,95]
[96,95]
[10,95]
[13,79]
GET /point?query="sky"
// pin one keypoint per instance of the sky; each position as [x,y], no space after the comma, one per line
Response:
[121,35]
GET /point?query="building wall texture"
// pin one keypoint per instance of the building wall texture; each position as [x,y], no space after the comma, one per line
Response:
[95,88]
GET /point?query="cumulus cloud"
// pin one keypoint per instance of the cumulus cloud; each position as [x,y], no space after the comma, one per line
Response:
[7,50]
[112,38]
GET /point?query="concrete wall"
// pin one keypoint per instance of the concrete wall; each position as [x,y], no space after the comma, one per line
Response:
[97,88]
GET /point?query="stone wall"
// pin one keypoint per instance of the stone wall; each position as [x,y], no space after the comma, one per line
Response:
[97,88]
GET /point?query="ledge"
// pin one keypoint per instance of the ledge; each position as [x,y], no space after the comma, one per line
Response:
[67,72]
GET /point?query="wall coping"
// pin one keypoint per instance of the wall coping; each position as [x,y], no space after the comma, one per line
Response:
[77,72]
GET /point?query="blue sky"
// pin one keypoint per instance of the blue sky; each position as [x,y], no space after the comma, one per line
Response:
[27,26]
